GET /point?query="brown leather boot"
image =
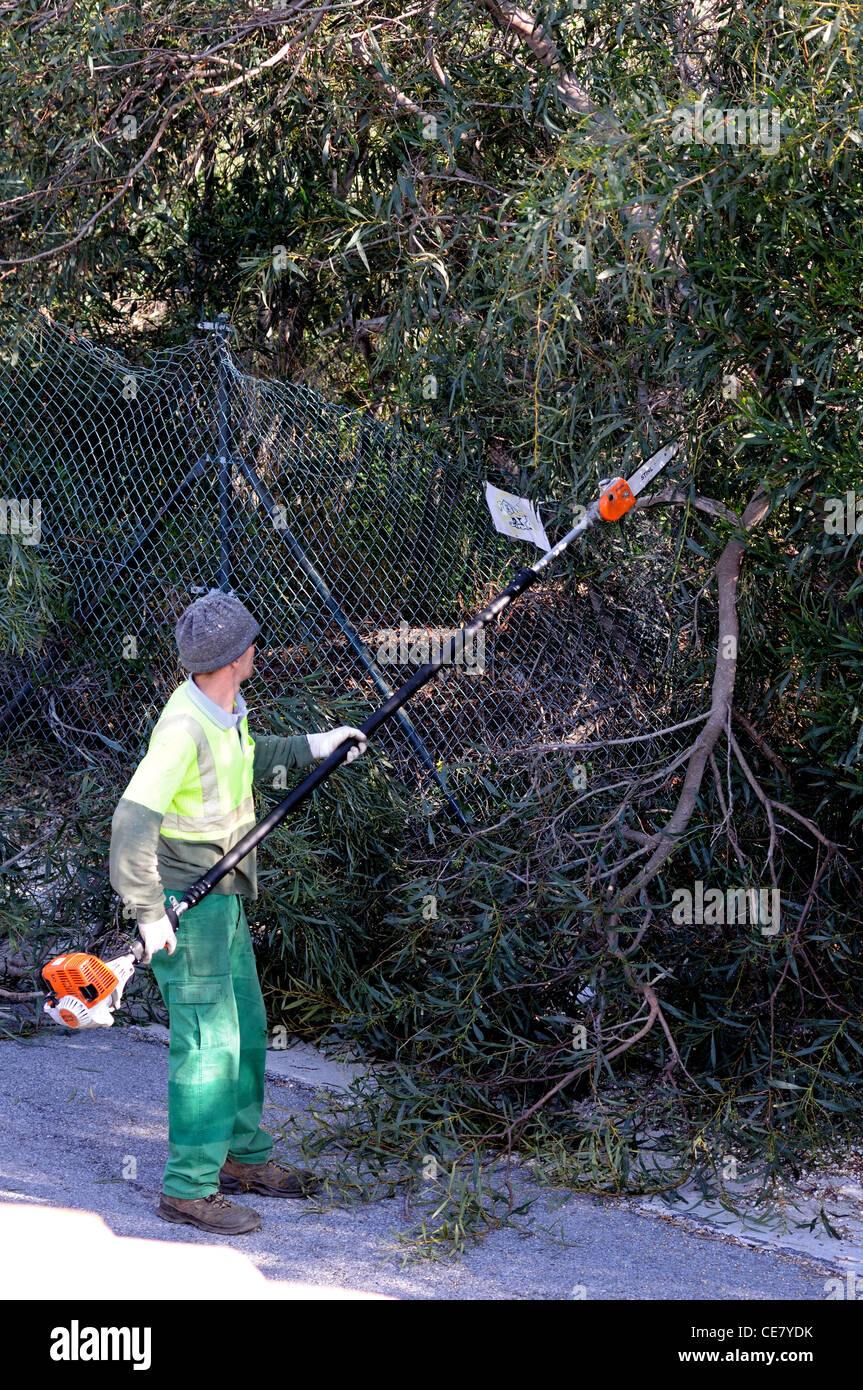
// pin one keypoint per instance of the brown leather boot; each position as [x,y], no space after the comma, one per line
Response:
[267,1179]
[211,1213]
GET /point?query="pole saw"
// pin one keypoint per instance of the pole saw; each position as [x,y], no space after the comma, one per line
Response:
[84,991]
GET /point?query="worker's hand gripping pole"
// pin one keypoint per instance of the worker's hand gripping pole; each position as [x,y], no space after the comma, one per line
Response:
[615,500]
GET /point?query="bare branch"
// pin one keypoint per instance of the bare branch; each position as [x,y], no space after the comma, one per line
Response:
[512,18]
[399,100]
[653,1010]
[726,816]
[762,797]
[760,742]
[676,496]
[431,55]
[606,742]
[727,575]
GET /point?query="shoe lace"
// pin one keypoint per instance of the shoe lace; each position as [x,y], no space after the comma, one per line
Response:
[216,1199]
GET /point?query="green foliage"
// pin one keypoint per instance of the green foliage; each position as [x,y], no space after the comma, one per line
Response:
[32,594]
[324,879]
[501,979]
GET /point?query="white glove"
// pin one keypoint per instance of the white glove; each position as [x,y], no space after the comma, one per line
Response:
[155,936]
[322,745]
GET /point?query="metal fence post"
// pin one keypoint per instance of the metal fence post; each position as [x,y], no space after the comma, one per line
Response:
[356,642]
[222,328]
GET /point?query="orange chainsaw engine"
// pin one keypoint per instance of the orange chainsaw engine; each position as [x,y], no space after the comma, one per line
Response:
[616,500]
[83,977]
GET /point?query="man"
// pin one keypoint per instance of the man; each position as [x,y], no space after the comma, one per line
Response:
[189,801]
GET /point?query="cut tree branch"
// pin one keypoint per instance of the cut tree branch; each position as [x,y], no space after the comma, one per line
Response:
[727,576]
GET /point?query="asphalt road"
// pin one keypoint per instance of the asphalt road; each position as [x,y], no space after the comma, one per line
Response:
[77,1108]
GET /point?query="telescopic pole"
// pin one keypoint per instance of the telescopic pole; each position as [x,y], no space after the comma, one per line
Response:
[614,500]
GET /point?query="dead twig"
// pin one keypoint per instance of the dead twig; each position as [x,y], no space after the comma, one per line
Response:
[761,743]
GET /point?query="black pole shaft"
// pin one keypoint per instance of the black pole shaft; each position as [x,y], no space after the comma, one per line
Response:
[223,404]
[317,579]
[202,886]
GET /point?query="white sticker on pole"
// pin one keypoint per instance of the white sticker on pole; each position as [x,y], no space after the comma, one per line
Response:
[515,516]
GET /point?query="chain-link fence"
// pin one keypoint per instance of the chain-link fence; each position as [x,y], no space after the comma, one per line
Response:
[356,547]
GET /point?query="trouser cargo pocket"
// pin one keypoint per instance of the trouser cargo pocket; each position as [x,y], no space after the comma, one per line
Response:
[203,1013]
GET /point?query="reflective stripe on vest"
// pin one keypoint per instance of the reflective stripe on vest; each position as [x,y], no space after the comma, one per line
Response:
[213,823]
[217,805]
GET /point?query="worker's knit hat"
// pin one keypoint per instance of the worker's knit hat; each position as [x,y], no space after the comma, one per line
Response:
[214,631]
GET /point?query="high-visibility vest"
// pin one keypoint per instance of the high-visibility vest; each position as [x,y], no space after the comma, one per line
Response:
[214,798]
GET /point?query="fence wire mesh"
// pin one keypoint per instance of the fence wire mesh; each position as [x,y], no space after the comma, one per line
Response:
[355,545]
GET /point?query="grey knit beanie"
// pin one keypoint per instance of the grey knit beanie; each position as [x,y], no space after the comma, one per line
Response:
[214,631]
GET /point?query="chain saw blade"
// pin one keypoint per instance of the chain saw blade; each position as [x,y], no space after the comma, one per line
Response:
[654,465]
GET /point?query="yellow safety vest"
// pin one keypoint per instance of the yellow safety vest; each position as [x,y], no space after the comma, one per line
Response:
[213,799]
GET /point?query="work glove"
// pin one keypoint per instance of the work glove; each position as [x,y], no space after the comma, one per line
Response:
[322,745]
[156,936]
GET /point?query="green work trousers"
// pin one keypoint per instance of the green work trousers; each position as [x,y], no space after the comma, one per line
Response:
[218,1046]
